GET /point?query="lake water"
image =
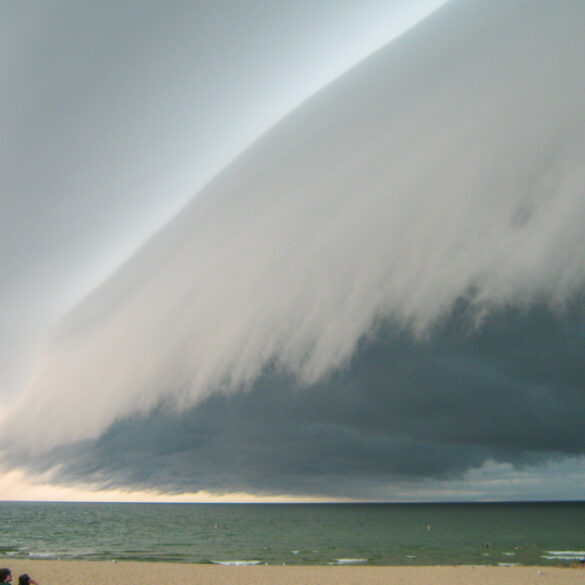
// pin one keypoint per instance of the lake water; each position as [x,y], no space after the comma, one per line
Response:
[297,534]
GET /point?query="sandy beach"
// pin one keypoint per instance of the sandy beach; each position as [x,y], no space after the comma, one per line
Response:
[139,573]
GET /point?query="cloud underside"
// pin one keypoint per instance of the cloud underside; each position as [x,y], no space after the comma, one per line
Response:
[401,411]
[389,284]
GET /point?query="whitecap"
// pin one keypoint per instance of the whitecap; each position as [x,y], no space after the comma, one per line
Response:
[564,553]
[242,563]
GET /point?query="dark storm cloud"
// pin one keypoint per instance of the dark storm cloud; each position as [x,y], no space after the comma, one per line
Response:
[401,411]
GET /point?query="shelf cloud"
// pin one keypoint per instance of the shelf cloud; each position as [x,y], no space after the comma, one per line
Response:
[386,286]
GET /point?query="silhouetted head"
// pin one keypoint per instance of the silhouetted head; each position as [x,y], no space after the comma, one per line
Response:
[5,575]
[24,580]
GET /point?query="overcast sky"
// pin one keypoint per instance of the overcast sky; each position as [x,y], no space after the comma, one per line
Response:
[380,298]
[114,114]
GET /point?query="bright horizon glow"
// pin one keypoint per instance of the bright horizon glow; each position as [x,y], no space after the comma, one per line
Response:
[16,486]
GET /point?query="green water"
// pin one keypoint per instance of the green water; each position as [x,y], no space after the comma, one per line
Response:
[375,534]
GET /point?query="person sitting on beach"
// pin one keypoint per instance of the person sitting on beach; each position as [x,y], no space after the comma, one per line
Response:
[5,575]
[26,580]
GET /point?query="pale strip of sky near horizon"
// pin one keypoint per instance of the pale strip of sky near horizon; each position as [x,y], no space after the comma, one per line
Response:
[16,486]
